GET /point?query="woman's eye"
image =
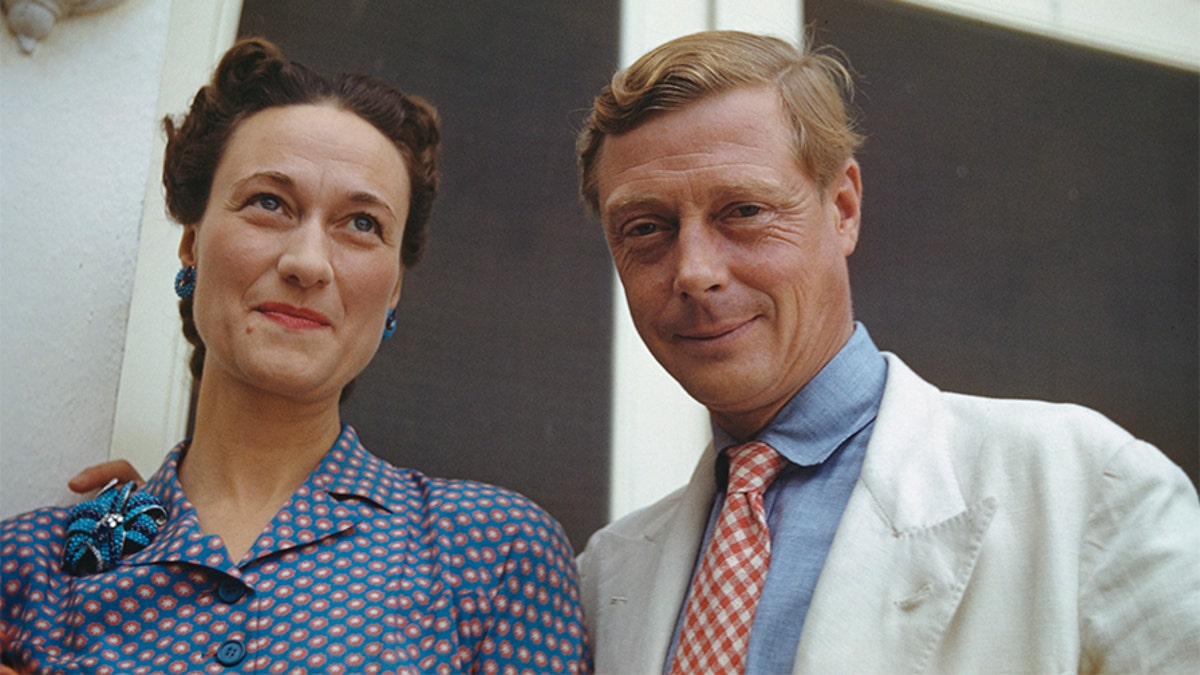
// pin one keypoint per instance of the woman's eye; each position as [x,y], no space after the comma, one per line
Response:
[747,210]
[365,223]
[269,202]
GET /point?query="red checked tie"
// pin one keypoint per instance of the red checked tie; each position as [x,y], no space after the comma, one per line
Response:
[720,608]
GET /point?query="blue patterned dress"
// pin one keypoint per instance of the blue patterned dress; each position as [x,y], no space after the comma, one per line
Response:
[367,569]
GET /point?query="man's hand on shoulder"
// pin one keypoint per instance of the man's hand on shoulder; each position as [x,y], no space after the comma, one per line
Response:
[96,477]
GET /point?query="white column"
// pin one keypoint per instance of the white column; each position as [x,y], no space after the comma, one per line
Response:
[152,402]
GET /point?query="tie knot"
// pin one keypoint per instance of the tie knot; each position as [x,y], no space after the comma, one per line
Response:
[752,466]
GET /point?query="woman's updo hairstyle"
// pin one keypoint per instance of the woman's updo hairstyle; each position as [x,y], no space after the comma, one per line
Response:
[254,76]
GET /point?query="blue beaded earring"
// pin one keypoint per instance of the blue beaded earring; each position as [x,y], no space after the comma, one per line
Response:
[185,282]
[389,326]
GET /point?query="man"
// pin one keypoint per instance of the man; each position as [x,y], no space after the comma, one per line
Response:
[909,529]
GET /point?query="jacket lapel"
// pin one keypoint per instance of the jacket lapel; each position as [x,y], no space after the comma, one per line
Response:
[654,564]
[906,546]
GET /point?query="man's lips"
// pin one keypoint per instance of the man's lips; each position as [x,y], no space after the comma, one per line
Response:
[293,317]
[713,333]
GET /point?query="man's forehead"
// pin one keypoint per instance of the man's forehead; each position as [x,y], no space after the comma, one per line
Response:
[739,172]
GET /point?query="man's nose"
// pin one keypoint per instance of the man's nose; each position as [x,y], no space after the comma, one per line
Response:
[701,266]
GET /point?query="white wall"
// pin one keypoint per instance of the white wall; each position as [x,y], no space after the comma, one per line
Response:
[76,130]
[89,363]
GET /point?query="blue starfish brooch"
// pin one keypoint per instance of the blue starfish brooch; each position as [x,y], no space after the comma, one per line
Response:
[116,523]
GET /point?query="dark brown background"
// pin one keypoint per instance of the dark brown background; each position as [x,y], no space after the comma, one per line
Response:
[1031,222]
[1030,228]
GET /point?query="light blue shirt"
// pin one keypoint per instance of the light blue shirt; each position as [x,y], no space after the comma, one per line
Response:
[823,432]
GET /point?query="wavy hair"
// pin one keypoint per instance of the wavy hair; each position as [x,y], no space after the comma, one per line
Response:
[814,86]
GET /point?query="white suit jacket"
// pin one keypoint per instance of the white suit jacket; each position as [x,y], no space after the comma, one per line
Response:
[982,536]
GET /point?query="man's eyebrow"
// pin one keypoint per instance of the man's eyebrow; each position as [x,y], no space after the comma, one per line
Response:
[747,188]
[631,202]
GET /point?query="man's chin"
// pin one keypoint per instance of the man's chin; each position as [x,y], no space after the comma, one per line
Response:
[721,391]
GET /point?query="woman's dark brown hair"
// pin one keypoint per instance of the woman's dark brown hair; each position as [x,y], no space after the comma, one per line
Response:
[254,76]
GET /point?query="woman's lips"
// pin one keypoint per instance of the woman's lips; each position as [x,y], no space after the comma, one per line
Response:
[293,317]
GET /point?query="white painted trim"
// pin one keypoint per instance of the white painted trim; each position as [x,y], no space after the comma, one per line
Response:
[1161,31]
[154,392]
[781,18]
[658,431]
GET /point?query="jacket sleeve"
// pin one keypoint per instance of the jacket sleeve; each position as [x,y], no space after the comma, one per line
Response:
[1139,595]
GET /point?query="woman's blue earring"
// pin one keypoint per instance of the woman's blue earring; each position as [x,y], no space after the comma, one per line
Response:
[389,326]
[185,282]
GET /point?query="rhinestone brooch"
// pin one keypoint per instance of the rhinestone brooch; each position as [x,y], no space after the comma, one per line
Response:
[119,521]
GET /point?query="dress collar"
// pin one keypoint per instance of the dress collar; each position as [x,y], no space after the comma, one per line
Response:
[347,470]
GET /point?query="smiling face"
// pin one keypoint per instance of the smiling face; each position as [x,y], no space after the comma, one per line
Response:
[732,259]
[298,252]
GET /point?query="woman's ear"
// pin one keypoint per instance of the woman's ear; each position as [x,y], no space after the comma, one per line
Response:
[395,299]
[187,246]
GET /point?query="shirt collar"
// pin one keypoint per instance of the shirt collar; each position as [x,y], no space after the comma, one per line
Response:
[836,404]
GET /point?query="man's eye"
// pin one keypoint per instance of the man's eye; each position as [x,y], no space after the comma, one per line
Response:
[747,210]
[642,229]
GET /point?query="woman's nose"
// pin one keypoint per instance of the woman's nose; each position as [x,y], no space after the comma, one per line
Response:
[305,260]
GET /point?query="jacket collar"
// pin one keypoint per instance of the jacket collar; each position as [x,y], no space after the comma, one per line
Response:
[907,544]
[644,571]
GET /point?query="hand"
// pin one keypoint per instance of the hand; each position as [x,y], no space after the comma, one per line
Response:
[96,477]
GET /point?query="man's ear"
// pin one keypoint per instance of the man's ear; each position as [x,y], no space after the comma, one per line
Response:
[846,195]
[187,246]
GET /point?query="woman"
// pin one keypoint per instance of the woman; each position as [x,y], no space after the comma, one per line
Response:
[272,540]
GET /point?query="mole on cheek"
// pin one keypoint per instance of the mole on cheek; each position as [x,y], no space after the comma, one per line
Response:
[249,330]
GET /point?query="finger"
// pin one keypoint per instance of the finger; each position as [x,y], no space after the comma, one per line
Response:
[96,477]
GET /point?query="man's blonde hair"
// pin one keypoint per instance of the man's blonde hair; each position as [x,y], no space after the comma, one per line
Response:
[814,88]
